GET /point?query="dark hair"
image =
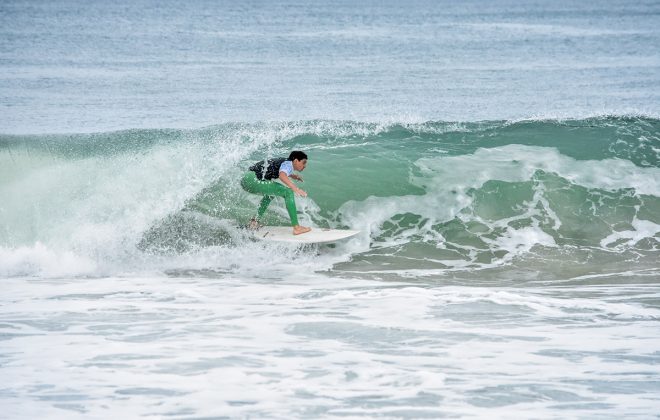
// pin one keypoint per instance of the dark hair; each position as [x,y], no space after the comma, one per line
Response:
[297,154]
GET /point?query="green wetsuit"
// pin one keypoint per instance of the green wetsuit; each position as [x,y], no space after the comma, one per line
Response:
[251,184]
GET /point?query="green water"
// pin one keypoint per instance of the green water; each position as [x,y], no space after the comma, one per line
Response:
[433,196]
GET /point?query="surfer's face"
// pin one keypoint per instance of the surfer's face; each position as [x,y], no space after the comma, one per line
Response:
[299,165]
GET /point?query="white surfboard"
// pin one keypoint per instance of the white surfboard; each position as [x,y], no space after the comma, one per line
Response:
[314,236]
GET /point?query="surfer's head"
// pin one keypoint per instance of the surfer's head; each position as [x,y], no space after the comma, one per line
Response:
[298,159]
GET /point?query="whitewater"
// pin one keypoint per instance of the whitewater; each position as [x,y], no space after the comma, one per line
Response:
[501,161]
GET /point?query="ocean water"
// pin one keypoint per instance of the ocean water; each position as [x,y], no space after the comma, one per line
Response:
[501,160]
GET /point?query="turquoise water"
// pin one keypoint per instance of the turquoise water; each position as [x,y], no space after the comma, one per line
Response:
[429,198]
[501,160]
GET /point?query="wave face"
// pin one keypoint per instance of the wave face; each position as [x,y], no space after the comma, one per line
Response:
[551,198]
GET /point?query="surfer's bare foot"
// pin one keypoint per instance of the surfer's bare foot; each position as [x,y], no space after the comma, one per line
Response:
[254,224]
[298,230]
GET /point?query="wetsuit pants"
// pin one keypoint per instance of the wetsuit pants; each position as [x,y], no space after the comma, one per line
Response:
[269,189]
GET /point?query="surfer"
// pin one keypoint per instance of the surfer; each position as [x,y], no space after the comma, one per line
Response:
[262,181]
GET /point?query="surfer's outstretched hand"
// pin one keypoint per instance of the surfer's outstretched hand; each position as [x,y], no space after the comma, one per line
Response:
[300,192]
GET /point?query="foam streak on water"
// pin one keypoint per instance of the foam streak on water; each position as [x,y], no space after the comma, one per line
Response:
[193,347]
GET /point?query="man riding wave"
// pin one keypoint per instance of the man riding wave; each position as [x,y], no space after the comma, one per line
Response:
[260,179]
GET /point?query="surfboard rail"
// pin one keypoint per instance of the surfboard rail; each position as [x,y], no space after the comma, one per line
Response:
[315,236]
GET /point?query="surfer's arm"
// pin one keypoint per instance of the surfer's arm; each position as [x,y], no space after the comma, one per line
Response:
[287,181]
